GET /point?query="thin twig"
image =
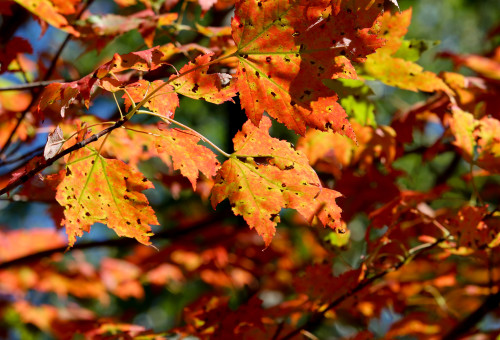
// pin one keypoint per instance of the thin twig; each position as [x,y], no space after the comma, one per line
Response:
[48,74]
[491,303]
[25,177]
[196,133]
[29,86]
[33,153]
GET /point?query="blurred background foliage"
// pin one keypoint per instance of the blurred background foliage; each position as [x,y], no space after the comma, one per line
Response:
[461,26]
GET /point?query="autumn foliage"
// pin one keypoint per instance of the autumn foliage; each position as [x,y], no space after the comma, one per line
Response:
[245,184]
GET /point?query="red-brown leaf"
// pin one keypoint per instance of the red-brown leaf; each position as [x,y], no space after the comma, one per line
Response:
[285,51]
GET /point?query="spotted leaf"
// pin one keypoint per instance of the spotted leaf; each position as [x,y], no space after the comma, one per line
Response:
[265,175]
[198,84]
[108,191]
[286,48]
[187,156]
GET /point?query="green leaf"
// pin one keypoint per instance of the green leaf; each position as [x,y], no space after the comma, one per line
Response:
[411,50]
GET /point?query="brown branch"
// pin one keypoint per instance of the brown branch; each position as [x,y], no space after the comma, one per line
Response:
[25,177]
[318,317]
[120,242]
[30,154]
[491,303]
[48,74]
[29,86]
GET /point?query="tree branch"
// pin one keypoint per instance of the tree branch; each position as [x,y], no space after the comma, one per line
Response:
[29,86]
[48,74]
[25,177]
[30,154]
[491,303]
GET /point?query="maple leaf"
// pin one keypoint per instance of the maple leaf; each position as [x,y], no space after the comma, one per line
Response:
[384,66]
[108,191]
[9,52]
[145,60]
[470,228]
[100,29]
[187,156]
[62,95]
[51,12]
[265,175]
[487,67]
[136,139]
[286,48]
[478,140]
[198,84]
[332,152]
[164,102]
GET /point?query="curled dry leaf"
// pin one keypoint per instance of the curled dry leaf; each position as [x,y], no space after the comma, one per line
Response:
[55,141]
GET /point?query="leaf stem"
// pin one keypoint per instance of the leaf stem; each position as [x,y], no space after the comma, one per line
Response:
[170,120]
[86,127]
[146,98]
[139,131]
[29,86]
[118,105]
[126,92]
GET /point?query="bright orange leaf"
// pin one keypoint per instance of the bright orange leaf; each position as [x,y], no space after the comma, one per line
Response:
[286,48]
[96,189]
[478,140]
[163,102]
[52,12]
[265,175]
[198,84]
[187,156]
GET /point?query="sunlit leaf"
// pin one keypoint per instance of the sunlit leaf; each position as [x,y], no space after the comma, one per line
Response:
[107,191]
[391,70]
[52,12]
[286,48]
[265,175]
[198,84]
[187,156]
[478,140]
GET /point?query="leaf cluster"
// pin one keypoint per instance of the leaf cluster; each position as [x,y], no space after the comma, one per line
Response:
[358,221]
